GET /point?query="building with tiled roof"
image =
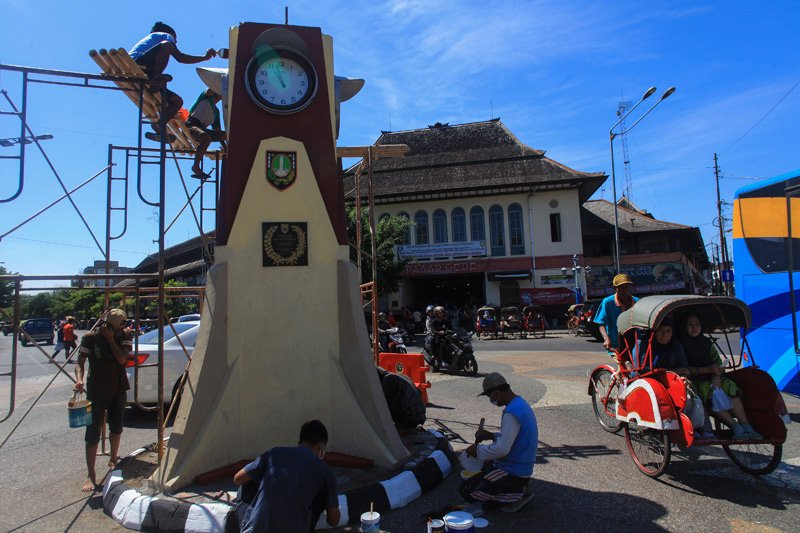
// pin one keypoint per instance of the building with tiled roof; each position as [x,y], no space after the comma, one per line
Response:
[664,257]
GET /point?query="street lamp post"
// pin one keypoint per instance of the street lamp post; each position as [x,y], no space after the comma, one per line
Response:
[11,141]
[576,270]
[612,135]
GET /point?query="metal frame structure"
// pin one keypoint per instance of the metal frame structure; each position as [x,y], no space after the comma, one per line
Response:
[142,156]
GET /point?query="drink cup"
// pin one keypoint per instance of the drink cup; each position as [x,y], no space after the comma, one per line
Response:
[370,522]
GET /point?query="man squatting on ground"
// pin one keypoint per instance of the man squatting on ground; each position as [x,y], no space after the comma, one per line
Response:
[152,53]
[286,489]
[106,349]
[509,459]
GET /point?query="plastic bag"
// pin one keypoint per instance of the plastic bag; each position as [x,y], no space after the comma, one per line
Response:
[720,401]
[694,409]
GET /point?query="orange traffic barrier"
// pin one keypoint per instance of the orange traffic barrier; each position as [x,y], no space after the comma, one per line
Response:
[412,365]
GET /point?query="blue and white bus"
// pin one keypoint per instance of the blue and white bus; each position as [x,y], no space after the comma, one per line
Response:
[766,252]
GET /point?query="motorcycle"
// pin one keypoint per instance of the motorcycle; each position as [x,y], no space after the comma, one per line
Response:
[396,342]
[455,351]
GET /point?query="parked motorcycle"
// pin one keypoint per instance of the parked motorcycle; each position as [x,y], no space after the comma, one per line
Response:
[455,351]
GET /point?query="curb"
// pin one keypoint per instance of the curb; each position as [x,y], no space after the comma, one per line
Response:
[140,512]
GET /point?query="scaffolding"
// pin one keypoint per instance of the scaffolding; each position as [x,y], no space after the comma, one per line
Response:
[124,163]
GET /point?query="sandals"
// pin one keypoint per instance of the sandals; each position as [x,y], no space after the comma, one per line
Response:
[155,137]
[201,175]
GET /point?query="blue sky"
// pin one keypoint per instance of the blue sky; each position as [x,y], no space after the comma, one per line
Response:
[553,71]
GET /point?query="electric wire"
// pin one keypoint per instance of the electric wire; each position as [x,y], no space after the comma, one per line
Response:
[762,118]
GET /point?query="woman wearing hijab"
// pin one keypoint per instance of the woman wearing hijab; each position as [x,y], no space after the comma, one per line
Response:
[707,373]
[669,355]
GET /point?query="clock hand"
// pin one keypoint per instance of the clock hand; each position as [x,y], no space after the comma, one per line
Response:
[283,84]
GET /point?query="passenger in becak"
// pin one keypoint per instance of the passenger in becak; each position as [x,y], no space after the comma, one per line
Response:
[509,459]
[106,348]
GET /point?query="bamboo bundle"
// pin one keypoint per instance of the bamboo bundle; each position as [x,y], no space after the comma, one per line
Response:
[117,62]
[130,90]
[176,125]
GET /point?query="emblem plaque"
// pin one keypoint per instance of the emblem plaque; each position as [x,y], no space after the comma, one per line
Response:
[284,243]
[281,169]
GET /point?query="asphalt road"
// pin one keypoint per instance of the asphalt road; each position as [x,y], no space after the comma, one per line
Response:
[585,479]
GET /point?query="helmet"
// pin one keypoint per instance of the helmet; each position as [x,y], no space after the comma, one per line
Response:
[381,315]
[429,309]
[438,309]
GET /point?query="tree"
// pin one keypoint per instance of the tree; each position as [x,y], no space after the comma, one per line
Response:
[389,231]
[6,289]
[175,307]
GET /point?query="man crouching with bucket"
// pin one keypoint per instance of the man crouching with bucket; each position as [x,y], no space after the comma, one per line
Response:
[508,460]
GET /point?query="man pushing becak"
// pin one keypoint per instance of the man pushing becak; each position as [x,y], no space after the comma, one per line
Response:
[508,460]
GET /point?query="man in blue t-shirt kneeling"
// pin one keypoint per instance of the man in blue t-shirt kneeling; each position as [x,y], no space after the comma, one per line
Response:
[286,489]
[509,459]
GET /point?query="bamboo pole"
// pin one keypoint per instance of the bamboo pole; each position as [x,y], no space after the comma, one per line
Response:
[177,125]
[129,67]
[129,89]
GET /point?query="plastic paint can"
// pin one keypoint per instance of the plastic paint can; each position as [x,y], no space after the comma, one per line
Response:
[458,521]
[436,526]
[370,522]
[80,414]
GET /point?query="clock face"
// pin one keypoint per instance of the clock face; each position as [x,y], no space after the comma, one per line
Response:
[281,83]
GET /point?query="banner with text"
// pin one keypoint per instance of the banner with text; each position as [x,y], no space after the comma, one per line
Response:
[647,279]
[555,296]
[443,249]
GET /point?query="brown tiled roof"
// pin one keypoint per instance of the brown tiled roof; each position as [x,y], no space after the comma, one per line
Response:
[596,215]
[479,157]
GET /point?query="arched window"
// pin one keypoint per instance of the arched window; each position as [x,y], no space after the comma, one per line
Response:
[421,231]
[459,222]
[516,235]
[497,240]
[439,226]
[477,230]
[406,239]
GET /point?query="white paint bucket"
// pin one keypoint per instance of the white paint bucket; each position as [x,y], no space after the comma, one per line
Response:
[370,522]
[459,521]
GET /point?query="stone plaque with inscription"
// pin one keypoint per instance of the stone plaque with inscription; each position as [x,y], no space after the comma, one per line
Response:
[284,243]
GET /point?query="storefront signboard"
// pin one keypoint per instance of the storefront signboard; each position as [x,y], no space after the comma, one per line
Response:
[444,249]
[647,279]
[558,279]
[448,267]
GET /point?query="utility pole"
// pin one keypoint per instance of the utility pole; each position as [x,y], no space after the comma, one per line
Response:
[721,224]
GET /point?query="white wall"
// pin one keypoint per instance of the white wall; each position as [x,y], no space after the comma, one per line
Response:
[567,206]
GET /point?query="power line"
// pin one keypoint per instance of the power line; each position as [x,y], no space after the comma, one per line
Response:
[73,245]
[762,118]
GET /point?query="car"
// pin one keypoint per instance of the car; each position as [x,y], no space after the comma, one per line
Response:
[189,318]
[7,327]
[174,362]
[39,329]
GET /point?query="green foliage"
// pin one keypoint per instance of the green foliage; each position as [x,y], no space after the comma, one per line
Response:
[389,233]
[6,289]
[175,307]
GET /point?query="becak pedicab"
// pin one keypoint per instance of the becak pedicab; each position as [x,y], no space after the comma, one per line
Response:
[573,316]
[486,322]
[533,321]
[510,322]
[651,405]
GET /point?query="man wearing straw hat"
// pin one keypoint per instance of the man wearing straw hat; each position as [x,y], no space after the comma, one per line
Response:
[153,53]
[509,459]
[106,348]
[286,489]
[611,307]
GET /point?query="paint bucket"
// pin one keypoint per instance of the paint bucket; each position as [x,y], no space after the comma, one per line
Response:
[436,526]
[459,521]
[370,522]
[471,464]
[80,411]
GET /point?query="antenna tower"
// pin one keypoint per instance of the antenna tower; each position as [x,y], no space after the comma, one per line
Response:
[627,190]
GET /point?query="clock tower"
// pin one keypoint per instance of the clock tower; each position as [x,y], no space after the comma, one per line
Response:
[282,338]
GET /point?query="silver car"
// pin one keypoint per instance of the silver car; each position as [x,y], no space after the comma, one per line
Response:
[175,361]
